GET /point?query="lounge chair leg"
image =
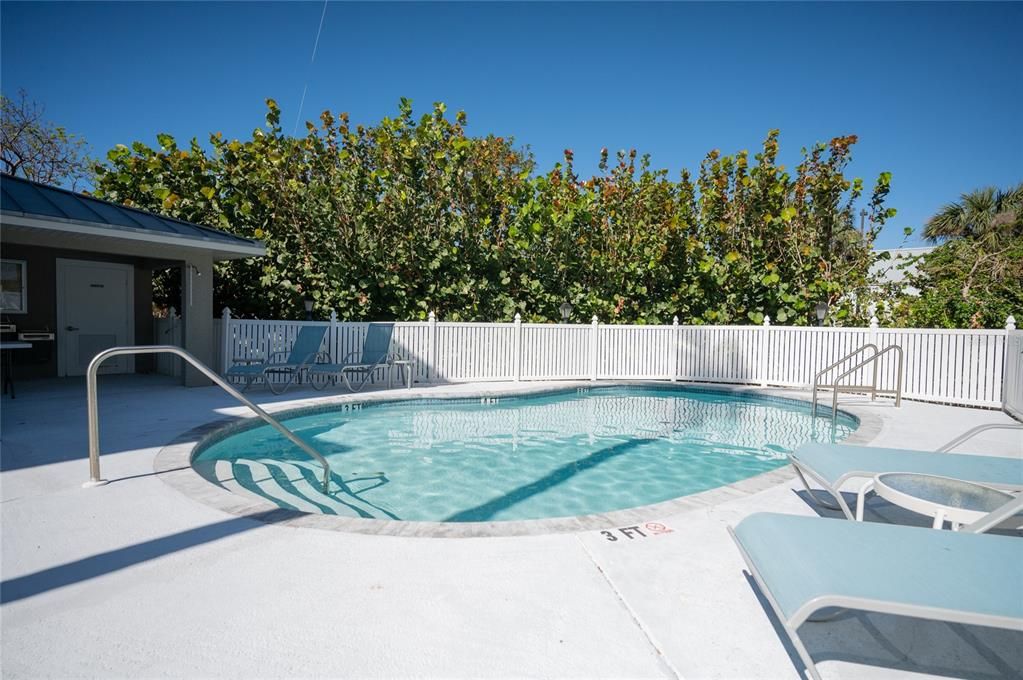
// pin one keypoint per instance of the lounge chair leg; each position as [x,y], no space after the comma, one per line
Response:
[861,498]
[837,495]
[804,656]
[291,379]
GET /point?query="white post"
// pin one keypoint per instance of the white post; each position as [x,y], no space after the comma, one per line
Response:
[174,331]
[225,328]
[333,336]
[431,343]
[674,348]
[762,358]
[517,348]
[872,339]
[594,342]
[173,328]
[1011,377]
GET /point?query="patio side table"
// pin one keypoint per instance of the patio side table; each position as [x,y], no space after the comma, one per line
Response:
[405,365]
[7,365]
[943,498]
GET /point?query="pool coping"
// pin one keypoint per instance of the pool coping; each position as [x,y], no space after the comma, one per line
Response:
[173,465]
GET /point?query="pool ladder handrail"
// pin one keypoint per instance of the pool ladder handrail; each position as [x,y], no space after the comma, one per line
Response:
[93,407]
[837,387]
[816,378]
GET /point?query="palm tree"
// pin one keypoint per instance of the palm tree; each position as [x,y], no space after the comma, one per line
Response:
[988,215]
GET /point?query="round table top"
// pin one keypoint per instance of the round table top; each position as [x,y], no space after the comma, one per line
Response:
[945,491]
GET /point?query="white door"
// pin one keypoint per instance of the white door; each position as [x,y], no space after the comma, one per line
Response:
[94,312]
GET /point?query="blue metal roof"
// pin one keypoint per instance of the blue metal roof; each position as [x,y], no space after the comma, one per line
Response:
[24,197]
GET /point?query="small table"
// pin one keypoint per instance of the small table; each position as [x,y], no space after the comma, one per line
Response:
[406,368]
[6,347]
[942,498]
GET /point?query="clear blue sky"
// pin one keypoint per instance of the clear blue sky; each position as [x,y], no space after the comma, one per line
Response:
[934,91]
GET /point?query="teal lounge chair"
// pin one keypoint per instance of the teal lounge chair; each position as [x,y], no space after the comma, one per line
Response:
[832,465]
[805,564]
[304,351]
[375,353]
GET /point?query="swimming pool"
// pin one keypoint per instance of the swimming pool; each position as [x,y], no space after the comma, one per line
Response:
[513,458]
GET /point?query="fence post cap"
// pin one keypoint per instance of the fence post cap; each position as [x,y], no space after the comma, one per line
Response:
[431,316]
[873,322]
[518,318]
[674,321]
[226,311]
[1010,323]
[333,316]
[595,320]
[171,312]
[767,320]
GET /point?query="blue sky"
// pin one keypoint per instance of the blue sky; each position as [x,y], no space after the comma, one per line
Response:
[933,90]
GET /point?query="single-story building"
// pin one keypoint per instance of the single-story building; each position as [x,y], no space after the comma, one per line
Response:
[77,278]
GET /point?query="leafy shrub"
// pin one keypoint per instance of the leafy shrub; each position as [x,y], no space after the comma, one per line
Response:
[394,220]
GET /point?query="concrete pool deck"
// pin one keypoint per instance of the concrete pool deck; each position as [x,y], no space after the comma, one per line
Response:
[137,579]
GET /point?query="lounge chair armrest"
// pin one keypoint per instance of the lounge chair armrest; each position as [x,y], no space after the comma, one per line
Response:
[247,361]
[313,358]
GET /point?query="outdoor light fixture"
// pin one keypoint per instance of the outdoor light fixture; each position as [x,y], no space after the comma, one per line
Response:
[566,311]
[308,309]
[822,311]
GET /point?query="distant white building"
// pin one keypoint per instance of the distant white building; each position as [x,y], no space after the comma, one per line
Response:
[899,265]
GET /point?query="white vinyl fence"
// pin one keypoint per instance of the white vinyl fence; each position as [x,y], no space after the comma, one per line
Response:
[1012,388]
[942,365]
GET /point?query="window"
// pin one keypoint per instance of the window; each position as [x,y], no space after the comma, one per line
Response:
[13,287]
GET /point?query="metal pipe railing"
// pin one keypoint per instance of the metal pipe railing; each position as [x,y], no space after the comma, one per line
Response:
[93,406]
[973,432]
[837,386]
[850,355]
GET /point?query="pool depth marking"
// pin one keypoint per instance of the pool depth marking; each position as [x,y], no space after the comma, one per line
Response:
[635,531]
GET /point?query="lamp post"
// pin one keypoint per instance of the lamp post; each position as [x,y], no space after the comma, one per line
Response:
[566,311]
[308,302]
[822,311]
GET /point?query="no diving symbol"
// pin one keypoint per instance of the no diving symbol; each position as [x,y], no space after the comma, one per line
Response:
[636,531]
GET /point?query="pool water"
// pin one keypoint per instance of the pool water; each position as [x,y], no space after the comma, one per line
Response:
[514,458]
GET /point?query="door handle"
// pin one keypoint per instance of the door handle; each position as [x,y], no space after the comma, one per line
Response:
[71,328]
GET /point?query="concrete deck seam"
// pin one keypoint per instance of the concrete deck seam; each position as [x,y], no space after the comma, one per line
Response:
[661,657]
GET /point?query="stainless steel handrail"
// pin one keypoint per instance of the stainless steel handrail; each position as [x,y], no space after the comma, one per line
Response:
[850,355]
[973,432]
[837,386]
[93,406]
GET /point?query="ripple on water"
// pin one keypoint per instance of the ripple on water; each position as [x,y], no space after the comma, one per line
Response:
[551,455]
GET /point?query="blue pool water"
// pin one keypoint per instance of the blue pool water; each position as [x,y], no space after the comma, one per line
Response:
[554,455]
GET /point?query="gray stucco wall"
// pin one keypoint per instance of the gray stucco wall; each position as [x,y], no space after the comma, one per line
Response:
[42,304]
